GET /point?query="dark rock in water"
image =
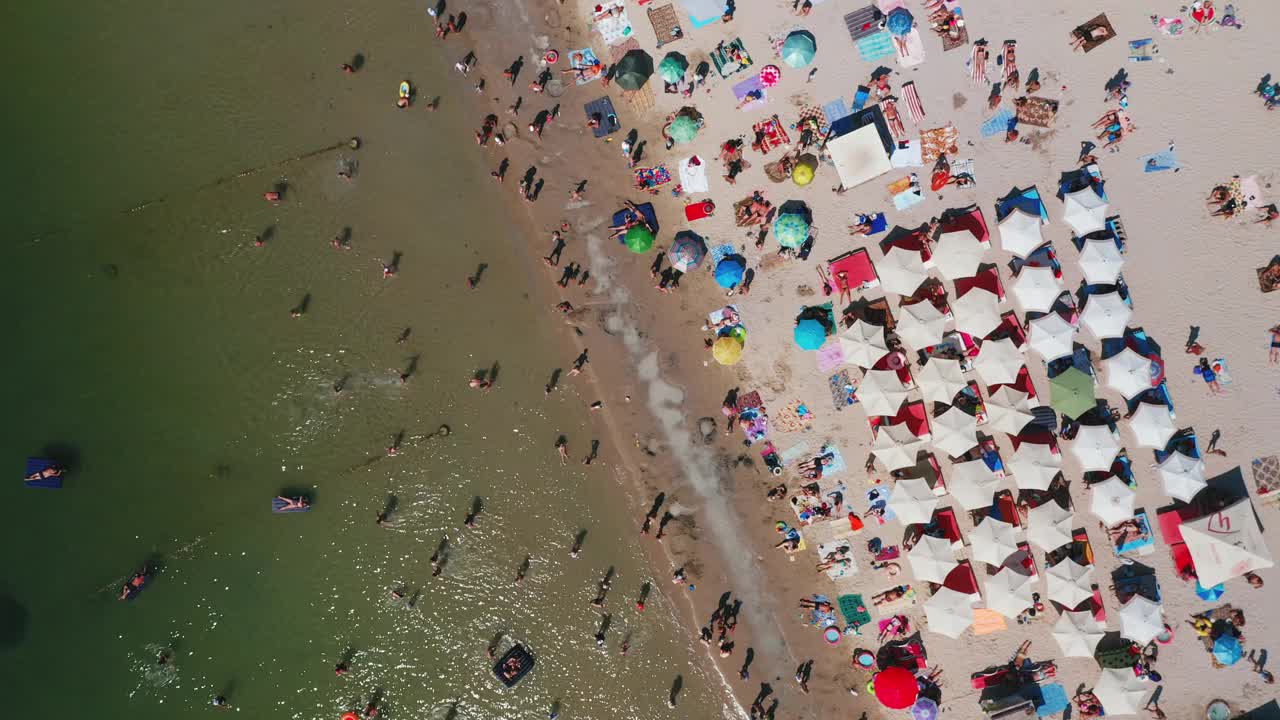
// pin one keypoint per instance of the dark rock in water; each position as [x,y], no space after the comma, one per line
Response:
[13,621]
[707,426]
[111,270]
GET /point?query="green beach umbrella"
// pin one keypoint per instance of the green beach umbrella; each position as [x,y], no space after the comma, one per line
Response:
[639,239]
[633,70]
[1071,393]
[799,48]
[683,129]
[791,230]
[673,67]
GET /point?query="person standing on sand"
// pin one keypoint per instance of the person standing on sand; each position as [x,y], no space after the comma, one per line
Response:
[1273,355]
[579,362]
[553,259]
[562,447]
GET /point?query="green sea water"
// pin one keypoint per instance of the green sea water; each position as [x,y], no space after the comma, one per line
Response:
[153,351]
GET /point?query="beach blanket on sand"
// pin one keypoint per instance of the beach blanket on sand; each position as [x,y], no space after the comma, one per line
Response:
[693,178]
[1101,23]
[794,417]
[775,136]
[608,117]
[854,610]
[910,49]
[1266,474]
[1161,161]
[586,59]
[863,23]
[1038,111]
[751,84]
[891,608]
[835,110]
[793,453]
[703,12]
[812,112]
[997,124]
[843,391]
[829,357]
[936,142]
[666,23]
[843,549]
[652,177]
[876,46]
[725,65]
[960,40]
[1143,50]
[612,23]
[912,96]
[966,167]
[907,154]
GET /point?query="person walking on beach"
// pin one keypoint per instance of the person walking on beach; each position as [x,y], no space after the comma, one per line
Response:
[562,447]
[579,363]
[576,193]
[553,259]
[1274,355]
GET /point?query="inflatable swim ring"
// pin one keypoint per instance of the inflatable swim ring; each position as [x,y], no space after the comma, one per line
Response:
[350,716]
[550,57]
[404,88]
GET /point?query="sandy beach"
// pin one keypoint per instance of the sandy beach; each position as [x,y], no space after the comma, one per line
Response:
[1181,267]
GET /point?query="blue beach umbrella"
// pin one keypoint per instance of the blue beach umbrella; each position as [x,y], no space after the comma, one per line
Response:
[810,334]
[799,48]
[729,271]
[1227,650]
[899,22]
[687,250]
[1210,594]
[791,230]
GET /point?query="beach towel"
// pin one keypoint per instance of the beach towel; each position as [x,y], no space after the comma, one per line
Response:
[1266,474]
[987,621]
[863,23]
[1143,50]
[612,23]
[997,124]
[892,607]
[625,216]
[703,12]
[860,97]
[724,65]
[1220,368]
[960,40]
[1053,700]
[854,610]
[666,23]
[775,136]
[912,97]
[835,110]
[751,84]
[1269,276]
[829,357]
[837,464]
[586,59]
[843,391]
[936,142]
[1172,27]
[876,46]
[812,113]
[1144,544]
[793,453]
[878,499]
[838,571]
[977,69]
[608,118]
[1159,162]
[965,167]
[907,154]
[649,178]
[908,199]
[693,178]
[794,417]
[1038,111]
[1100,21]
[858,270]
[910,49]
[715,316]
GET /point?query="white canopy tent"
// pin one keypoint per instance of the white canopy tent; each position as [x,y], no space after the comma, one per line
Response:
[1095,447]
[1182,476]
[913,501]
[1052,337]
[949,612]
[1111,500]
[940,380]
[998,362]
[859,156]
[1101,261]
[1020,233]
[1034,466]
[920,324]
[1152,424]
[1128,372]
[955,431]
[932,558]
[863,344]
[1036,288]
[958,254]
[881,392]
[1106,315]
[1085,211]
[901,271]
[1078,633]
[1226,544]
[993,541]
[1049,526]
[972,484]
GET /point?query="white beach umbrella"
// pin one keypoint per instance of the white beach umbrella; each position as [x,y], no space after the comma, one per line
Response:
[1085,211]
[1226,544]
[955,431]
[1182,476]
[1034,466]
[1152,424]
[863,344]
[1095,447]
[1049,526]
[912,501]
[1101,261]
[932,558]
[896,447]
[1128,372]
[1070,583]
[1112,501]
[940,380]
[1078,633]
[977,312]
[1141,620]
[901,271]
[1052,337]
[1007,410]
[958,254]
[998,362]
[972,484]
[949,612]
[1020,233]
[993,541]
[1120,691]
[881,392]
[1036,288]
[1009,593]
[1106,315]
[920,324]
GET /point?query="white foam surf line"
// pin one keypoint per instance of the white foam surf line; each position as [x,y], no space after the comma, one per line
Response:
[700,470]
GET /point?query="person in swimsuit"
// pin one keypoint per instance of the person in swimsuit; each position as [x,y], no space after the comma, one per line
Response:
[1274,355]
[56,471]
[294,503]
[1207,374]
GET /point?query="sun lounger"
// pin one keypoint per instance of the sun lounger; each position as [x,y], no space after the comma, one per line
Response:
[1099,22]
[874,47]
[863,23]
[854,610]
[608,118]
[666,23]
[751,84]
[726,66]
[1038,111]
[35,465]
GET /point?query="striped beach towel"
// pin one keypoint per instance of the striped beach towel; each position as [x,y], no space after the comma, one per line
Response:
[863,23]
[913,102]
[876,46]
[978,67]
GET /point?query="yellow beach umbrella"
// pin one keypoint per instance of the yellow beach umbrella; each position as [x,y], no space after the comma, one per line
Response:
[727,350]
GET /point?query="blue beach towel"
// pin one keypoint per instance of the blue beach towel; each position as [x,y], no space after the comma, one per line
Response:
[835,110]
[837,464]
[626,216]
[1159,162]
[608,118]
[1141,50]
[721,252]
[908,199]
[860,97]
[1053,700]
[35,465]
[875,47]
[997,124]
